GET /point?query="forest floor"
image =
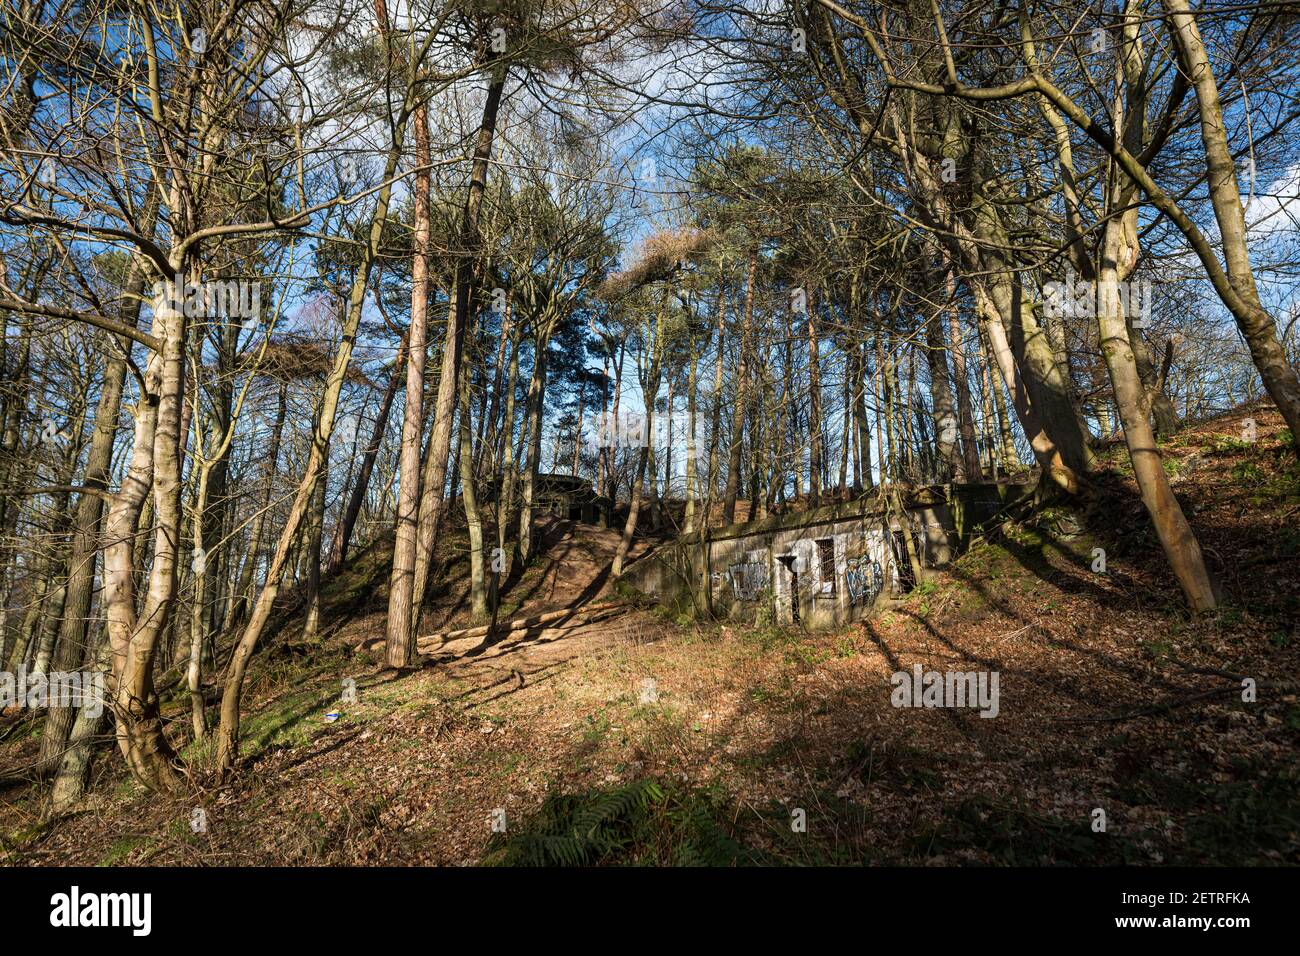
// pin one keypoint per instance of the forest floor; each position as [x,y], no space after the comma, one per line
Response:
[635,740]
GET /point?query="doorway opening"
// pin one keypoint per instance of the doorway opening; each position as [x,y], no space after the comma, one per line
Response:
[787,562]
[904,578]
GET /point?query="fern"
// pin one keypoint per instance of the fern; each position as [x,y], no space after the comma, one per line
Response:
[642,823]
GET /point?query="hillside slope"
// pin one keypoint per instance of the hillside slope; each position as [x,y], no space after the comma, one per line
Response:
[656,744]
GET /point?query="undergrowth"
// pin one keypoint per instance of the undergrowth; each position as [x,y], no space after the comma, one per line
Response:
[643,823]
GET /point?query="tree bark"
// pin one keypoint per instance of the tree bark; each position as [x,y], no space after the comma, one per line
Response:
[961,384]
[816,464]
[742,392]
[1176,537]
[315,529]
[71,649]
[400,646]
[228,731]
[533,413]
[479,609]
[459,315]
[943,405]
[347,524]
[155,464]
[1256,324]
[243,589]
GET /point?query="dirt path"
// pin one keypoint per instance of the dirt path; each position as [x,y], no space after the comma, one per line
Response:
[571,574]
[572,568]
[491,667]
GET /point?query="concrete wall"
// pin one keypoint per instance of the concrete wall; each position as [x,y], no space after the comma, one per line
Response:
[828,566]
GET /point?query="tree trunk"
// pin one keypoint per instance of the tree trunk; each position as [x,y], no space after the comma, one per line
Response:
[459,315]
[691,446]
[71,649]
[634,511]
[865,480]
[343,530]
[469,498]
[650,392]
[1120,235]
[315,528]
[490,449]
[155,463]
[715,423]
[742,390]
[74,767]
[942,403]
[400,644]
[1176,537]
[243,590]
[533,414]
[1256,325]
[816,465]
[506,485]
[228,732]
[961,384]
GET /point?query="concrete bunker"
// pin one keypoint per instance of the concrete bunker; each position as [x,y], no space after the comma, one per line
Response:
[818,568]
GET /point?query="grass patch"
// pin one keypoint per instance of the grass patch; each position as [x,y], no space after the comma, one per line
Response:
[120,850]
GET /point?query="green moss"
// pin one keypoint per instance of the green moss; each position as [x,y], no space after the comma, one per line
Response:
[120,850]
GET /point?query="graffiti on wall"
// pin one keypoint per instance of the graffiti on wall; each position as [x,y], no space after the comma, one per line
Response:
[864,578]
[748,580]
[814,567]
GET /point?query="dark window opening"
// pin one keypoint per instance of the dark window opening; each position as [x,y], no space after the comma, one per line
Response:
[826,565]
